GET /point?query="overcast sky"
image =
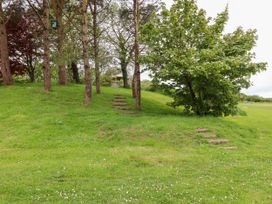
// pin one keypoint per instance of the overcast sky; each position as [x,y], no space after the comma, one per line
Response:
[249,14]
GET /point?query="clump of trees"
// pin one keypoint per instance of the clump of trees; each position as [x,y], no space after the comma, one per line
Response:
[192,59]
[187,53]
[254,98]
[53,33]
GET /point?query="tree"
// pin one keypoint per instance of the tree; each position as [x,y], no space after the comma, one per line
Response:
[46,47]
[4,51]
[58,6]
[95,28]
[72,46]
[87,74]
[75,73]
[137,71]
[141,15]
[44,20]
[190,57]
[24,31]
[120,36]
[97,8]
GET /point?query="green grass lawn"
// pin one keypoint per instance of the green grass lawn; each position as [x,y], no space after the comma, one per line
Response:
[55,150]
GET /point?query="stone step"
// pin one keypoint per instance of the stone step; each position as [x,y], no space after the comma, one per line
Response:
[120,104]
[123,108]
[209,136]
[119,101]
[218,141]
[202,130]
[131,113]
[229,148]
[119,97]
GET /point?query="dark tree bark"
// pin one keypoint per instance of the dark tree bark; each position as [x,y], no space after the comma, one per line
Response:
[124,74]
[4,52]
[31,75]
[46,54]
[137,73]
[87,74]
[75,72]
[124,56]
[30,68]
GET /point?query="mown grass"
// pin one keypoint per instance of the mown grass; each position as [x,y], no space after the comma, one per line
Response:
[55,150]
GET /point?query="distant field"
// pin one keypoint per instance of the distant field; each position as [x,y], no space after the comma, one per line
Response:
[55,150]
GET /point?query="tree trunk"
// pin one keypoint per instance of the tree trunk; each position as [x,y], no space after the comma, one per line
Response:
[87,74]
[46,54]
[124,74]
[4,52]
[193,95]
[96,47]
[32,75]
[133,87]
[62,73]
[136,15]
[124,57]
[30,69]
[75,72]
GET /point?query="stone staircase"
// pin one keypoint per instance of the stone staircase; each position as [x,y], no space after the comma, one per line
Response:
[212,138]
[119,103]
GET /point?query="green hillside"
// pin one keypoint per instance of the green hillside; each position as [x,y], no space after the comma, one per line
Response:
[55,150]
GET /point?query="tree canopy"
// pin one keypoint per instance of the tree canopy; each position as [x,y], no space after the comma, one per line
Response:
[192,59]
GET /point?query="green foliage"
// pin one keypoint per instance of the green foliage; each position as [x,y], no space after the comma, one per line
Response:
[107,76]
[192,59]
[151,86]
[147,85]
[106,80]
[38,71]
[21,78]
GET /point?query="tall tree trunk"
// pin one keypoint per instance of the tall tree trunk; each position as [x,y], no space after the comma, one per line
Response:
[30,69]
[75,72]
[46,54]
[133,87]
[124,74]
[136,15]
[62,73]
[4,52]
[124,58]
[87,74]
[96,47]
[32,74]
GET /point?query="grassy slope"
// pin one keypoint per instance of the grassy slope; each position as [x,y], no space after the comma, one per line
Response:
[54,150]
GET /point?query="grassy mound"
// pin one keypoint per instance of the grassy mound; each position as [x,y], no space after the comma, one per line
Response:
[55,150]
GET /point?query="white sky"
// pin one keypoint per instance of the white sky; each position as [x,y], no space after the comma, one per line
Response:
[249,14]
